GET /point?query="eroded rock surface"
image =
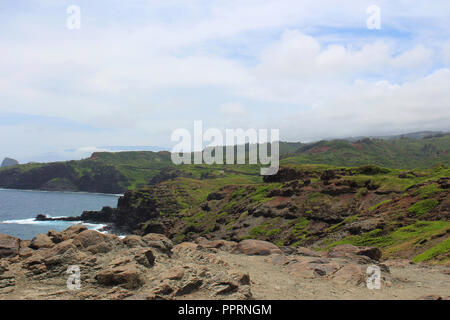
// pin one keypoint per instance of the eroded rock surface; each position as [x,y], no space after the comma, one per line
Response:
[151,267]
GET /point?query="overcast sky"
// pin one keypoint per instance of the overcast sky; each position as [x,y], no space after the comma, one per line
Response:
[137,70]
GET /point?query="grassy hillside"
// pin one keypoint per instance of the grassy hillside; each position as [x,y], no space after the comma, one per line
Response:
[404,213]
[117,172]
[405,153]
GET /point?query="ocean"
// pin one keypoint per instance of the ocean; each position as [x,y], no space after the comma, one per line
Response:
[18,208]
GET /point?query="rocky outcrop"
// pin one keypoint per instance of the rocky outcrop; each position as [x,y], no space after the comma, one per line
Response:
[64,176]
[257,247]
[9,246]
[127,275]
[8,162]
[41,241]
[151,267]
[148,267]
[348,250]
[285,174]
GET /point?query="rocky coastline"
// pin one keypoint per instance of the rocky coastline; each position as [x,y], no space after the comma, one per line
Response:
[153,267]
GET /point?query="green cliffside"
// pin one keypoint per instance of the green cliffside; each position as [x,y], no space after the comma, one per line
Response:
[109,172]
[404,213]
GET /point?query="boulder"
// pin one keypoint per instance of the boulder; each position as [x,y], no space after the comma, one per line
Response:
[185,246]
[4,266]
[324,269]
[9,246]
[175,273]
[257,247]
[73,230]
[216,244]
[301,269]
[285,174]
[348,250]
[372,252]
[88,238]
[307,252]
[41,241]
[349,274]
[56,236]
[158,241]
[63,253]
[133,241]
[145,258]
[215,196]
[128,276]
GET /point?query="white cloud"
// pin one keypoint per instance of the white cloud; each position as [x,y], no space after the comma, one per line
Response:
[304,61]
[367,108]
[299,56]
[232,109]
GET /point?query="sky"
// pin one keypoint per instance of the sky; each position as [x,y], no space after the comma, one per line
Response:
[137,70]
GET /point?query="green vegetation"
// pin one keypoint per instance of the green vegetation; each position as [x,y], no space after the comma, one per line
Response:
[266,229]
[379,204]
[330,181]
[412,236]
[423,206]
[428,191]
[342,223]
[443,248]
[403,153]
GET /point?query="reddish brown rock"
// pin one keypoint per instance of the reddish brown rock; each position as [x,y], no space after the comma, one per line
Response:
[348,250]
[216,244]
[349,274]
[189,287]
[9,246]
[133,241]
[185,246]
[56,236]
[159,242]
[175,273]
[301,269]
[145,257]
[257,247]
[128,276]
[41,241]
[307,252]
[93,241]
[73,230]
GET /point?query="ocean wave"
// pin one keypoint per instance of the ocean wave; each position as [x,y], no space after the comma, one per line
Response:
[32,221]
[66,192]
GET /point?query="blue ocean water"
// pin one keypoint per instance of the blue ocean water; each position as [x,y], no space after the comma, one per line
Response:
[18,208]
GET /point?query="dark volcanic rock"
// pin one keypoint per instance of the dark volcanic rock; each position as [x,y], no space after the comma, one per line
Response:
[42,217]
[286,174]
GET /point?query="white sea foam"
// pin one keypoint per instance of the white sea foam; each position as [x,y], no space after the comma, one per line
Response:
[32,221]
[21,221]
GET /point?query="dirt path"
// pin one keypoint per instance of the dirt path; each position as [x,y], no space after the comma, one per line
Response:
[271,281]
